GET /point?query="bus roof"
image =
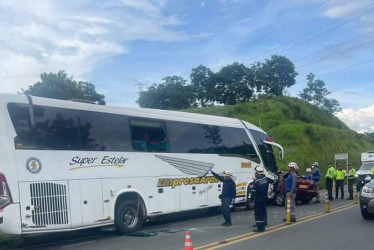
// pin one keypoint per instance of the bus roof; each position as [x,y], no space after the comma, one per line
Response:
[132,111]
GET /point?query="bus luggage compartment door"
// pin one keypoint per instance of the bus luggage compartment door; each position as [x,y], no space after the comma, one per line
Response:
[44,205]
[92,202]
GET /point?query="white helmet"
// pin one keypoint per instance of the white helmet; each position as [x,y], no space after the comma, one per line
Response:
[227,173]
[308,170]
[315,164]
[259,169]
[292,165]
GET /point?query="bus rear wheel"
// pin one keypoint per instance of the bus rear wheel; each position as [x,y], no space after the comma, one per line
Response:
[129,216]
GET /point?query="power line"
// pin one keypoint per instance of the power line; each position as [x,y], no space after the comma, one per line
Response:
[335,27]
[343,69]
[279,27]
[318,34]
[321,59]
[337,45]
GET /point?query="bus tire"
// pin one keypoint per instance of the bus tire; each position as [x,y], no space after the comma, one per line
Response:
[129,216]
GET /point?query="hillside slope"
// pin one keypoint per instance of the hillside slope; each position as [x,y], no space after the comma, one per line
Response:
[306,133]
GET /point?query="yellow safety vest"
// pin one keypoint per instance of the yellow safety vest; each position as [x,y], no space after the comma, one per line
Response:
[352,173]
[340,174]
[330,173]
[372,170]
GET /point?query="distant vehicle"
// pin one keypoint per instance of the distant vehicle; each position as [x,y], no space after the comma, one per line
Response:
[306,191]
[367,200]
[68,165]
[367,160]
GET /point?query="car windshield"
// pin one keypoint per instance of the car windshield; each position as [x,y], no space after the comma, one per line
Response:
[367,166]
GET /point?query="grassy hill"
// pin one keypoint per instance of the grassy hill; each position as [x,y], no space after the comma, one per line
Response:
[306,132]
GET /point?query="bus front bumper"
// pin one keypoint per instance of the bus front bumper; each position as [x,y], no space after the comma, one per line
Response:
[10,221]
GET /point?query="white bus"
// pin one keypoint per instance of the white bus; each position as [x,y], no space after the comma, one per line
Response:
[67,165]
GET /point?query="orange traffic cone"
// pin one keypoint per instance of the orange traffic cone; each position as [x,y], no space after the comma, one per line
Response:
[188,242]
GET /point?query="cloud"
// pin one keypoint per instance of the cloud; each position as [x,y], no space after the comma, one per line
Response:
[361,120]
[348,9]
[43,36]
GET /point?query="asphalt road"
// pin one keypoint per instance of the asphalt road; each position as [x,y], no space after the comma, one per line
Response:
[341,228]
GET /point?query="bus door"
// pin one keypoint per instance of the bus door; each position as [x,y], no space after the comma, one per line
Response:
[44,205]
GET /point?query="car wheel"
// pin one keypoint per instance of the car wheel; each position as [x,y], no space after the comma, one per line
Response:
[365,214]
[129,216]
[279,199]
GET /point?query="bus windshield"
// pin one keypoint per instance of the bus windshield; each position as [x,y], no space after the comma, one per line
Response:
[266,151]
[367,166]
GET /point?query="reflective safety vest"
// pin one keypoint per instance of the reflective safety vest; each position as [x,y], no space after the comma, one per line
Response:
[340,174]
[330,173]
[372,170]
[351,174]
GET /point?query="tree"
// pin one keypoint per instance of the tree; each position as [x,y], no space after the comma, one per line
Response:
[203,85]
[172,93]
[316,92]
[60,86]
[275,75]
[232,84]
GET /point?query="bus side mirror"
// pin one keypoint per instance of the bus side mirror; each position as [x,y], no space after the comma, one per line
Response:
[4,200]
[281,154]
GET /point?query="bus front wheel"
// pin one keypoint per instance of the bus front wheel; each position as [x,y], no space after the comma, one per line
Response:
[129,216]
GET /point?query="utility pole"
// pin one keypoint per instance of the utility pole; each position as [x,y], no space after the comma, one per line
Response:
[140,85]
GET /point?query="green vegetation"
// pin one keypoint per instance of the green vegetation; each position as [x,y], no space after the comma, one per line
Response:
[306,132]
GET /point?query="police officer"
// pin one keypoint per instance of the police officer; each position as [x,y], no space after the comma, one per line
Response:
[330,175]
[340,177]
[291,188]
[351,180]
[316,174]
[227,196]
[259,193]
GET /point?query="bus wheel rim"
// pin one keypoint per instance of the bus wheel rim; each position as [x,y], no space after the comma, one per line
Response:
[130,217]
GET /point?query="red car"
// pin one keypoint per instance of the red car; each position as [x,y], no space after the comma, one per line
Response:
[306,190]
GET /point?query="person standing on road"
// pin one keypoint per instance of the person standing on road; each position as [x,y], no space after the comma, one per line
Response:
[291,188]
[330,175]
[351,180]
[340,177]
[259,193]
[308,175]
[227,196]
[315,177]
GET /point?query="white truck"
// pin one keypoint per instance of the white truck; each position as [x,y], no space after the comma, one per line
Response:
[367,163]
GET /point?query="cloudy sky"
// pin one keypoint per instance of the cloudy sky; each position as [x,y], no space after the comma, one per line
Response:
[117,43]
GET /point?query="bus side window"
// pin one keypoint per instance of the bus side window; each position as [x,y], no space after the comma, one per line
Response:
[148,136]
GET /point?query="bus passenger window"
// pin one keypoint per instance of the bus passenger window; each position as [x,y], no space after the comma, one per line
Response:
[185,137]
[148,136]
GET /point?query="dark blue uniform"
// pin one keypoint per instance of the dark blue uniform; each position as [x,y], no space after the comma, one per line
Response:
[227,195]
[259,193]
